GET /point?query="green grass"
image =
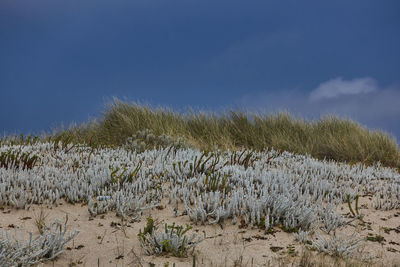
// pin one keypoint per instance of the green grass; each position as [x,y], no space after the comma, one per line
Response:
[329,137]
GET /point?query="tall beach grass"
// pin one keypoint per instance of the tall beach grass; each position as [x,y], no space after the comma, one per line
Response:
[329,137]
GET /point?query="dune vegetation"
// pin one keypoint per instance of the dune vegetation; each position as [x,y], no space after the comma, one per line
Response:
[333,138]
[197,190]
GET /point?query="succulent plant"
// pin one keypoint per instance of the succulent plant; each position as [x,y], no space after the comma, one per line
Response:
[339,246]
[15,250]
[173,240]
[269,188]
[302,236]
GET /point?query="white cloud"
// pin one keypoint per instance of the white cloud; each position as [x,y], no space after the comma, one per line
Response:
[339,87]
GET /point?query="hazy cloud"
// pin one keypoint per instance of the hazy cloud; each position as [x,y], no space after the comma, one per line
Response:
[337,87]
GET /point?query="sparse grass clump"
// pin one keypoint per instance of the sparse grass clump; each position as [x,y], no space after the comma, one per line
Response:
[330,137]
[40,221]
[308,259]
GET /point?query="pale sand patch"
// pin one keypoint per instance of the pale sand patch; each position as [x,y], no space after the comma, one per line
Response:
[100,244]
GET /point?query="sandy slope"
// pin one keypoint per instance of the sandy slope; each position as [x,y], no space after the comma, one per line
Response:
[103,241]
[107,241]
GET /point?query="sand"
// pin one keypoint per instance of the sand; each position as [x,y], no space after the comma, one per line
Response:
[109,241]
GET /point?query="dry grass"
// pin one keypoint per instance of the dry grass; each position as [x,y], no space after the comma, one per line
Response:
[40,221]
[309,259]
[330,137]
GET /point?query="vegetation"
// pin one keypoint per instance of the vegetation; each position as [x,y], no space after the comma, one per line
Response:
[15,251]
[330,138]
[267,189]
[11,159]
[172,241]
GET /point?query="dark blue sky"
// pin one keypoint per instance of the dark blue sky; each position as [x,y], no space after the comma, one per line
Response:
[61,61]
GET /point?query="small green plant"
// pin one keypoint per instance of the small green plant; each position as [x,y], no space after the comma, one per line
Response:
[124,177]
[172,241]
[275,248]
[269,231]
[217,182]
[261,224]
[198,165]
[376,238]
[356,213]
[148,229]
[388,229]
[288,229]
[291,251]
[243,159]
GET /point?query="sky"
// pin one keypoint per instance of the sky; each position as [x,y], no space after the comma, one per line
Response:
[63,61]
